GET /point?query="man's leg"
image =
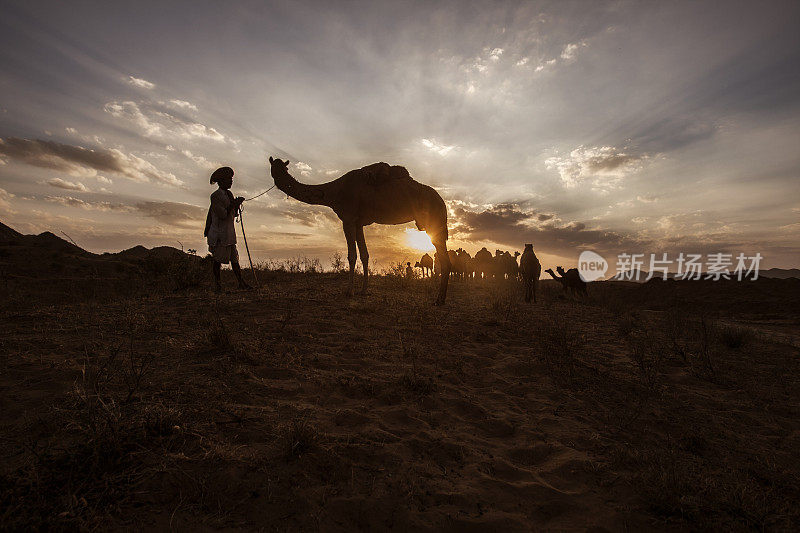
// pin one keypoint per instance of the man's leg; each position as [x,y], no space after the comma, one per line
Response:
[215,268]
[238,271]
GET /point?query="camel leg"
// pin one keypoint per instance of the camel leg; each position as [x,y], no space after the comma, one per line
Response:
[350,235]
[362,251]
[535,283]
[444,262]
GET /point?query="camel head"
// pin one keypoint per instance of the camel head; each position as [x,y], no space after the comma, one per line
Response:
[529,247]
[516,254]
[560,270]
[280,171]
[416,265]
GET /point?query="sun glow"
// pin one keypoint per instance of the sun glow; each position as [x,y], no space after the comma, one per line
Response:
[418,240]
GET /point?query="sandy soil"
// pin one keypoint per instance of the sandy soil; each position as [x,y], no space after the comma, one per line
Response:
[293,407]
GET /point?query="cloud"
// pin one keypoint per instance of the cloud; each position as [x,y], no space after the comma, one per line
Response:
[602,166]
[83,162]
[312,216]
[139,82]
[63,184]
[85,138]
[200,160]
[183,104]
[5,196]
[304,168]
[69,201]
[648,199]
[511,225]
[434,146]
[157,123]
[545,64]
[174,213]
[571,49]
[671,133]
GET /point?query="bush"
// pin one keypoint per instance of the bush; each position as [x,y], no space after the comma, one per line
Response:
[734,337]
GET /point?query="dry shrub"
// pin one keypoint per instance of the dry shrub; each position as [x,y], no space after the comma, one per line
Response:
[219,344]
[502,299]
[294,265]
[735,337]
[628,323]
[337,262]
[416,383]
[559,343]
[218,339]
[300,437]
[675,326]
[647,352]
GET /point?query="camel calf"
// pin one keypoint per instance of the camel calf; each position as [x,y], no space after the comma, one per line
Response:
[569,279]
[531,269]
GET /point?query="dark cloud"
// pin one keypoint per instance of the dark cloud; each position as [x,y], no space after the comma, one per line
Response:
[671,133]
[174,213]
[70,201]
[80,161]
[511,225]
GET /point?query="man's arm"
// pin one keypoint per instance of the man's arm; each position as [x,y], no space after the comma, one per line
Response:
[223,211]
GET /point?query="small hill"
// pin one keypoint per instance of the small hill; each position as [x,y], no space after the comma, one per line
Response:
[780,273]
[52,242]
[7,234]
[47,255]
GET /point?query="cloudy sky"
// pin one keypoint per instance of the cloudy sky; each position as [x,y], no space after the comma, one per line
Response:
[612,126]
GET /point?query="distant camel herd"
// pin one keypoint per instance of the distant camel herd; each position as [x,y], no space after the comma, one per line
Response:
[501,265]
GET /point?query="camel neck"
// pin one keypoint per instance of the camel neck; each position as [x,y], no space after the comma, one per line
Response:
[309,194]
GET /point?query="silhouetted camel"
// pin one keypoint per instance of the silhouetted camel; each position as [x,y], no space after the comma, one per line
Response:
[451,254]
[463,260]
[510,266]
[377,193]
[531,269]
[426,264]
[472,269]
[570,279]
[559,279]
[483,263]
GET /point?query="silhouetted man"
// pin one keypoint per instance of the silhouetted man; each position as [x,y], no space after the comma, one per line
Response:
[409,271]
[220,227]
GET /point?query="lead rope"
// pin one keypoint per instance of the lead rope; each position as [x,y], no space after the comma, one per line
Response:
[244,235]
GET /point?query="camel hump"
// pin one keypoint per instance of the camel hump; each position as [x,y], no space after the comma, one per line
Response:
[382,173]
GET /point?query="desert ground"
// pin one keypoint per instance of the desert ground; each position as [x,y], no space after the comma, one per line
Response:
[134,397]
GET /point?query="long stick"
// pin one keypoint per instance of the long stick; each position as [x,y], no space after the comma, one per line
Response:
[253,270]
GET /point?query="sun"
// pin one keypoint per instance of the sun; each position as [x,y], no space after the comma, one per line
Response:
[418,240]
